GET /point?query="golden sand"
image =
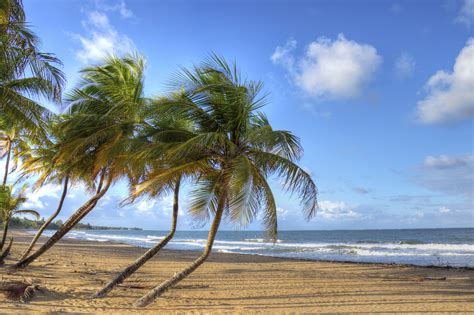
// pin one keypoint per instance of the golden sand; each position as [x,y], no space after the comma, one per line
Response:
[229,283]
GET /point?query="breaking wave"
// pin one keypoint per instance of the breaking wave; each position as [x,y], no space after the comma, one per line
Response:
[413,251]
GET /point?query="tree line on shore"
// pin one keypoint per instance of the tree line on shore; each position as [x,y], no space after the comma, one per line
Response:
[208,131]
[25,223]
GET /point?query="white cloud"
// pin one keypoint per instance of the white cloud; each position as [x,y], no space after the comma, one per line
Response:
[283,54]
[404,65]
[466,14]
[77,190]
[146,207]
[336,210]
[450,96]
[337,68]
[121,8]
[445,161]
[165,205]
[97,19]
[102,39]
[444,210]
[35,197]
[162,206]
[282,212]
[448,174]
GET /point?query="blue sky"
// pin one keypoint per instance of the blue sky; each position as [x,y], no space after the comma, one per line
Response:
[381,94]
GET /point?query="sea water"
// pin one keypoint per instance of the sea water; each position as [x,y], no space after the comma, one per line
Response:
[440,247]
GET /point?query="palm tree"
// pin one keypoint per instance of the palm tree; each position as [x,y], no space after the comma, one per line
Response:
[13,144]
[104,112]
[10,206]
[25,73]
[158,133]
[44,163]
[231,156]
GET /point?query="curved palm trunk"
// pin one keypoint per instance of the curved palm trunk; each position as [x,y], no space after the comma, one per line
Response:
[7,164]
[163,287]
[48,222]
[66,227]
[6,223]
[128,271]
[6,252]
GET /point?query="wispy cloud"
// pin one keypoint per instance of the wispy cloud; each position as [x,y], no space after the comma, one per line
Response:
[450,95]
[332,69]
[282,213]
[120,7]
[466,14]
[146,207]
[283,55]
[360,190]
[101,39]
[156,207]
[444,210]
[36,199]
[452,175]
[404,65]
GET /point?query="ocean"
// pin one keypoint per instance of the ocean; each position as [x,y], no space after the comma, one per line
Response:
[438,247]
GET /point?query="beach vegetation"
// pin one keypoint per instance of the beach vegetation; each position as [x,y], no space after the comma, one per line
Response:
[10,206]
[208,130]
[230,158]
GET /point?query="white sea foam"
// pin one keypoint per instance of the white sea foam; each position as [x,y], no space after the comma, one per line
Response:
[373,251]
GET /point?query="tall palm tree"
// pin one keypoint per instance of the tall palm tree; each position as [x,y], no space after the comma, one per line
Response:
[10,206]
[231,157]
[158,134]
[25,72]
[43,162]
[104,114]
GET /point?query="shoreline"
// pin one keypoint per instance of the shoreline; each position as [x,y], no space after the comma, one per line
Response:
[278,257]
[284,258]
[232,283]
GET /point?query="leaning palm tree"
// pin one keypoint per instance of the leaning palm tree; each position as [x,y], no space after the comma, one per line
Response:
[104,112]
[25,72]
[43,163]
[230,158]
[10,206]
[158,134]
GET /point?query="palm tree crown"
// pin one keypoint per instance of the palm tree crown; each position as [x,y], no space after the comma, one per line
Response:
[103,114]
[234,149]
[10,205]
[25,72]
[97,132]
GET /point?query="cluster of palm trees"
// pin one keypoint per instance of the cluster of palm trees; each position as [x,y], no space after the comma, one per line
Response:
[208,131]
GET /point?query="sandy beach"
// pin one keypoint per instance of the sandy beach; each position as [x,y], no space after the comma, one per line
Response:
[232,283]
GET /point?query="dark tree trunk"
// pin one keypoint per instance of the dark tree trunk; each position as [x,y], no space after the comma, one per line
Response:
[163,287]
[6,223]
[6,252]
[129,270]
[67,226]
[7,164]
[48,222]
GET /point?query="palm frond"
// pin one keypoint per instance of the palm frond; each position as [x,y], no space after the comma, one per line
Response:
[295,178]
